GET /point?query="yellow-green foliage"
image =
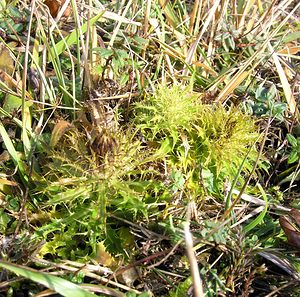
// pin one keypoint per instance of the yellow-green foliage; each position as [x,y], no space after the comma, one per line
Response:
[211,136]
[80,185]
[171,109]
[225,137]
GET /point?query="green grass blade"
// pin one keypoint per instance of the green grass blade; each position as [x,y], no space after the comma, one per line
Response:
[170,13]
[72,38]
[261,216]
[291,37]
[59,285]
[229,195]
[13,153]
[14,119]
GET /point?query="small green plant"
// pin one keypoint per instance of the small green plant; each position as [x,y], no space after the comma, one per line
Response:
[170,111]
[294,155]
[82,185]
[265,104]
[195,138]
[224,138]
[182,288]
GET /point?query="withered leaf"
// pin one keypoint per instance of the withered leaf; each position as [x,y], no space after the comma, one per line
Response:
[295,214]
[291,232]
[7,63]
[55,5]
[103,257]
[58,131]
[129,276]
[279,260]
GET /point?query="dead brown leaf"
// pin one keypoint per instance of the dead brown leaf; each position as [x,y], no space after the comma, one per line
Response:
[7,64]
[290,225]
[58,131]
[103,257]
[55,5]
[296,215]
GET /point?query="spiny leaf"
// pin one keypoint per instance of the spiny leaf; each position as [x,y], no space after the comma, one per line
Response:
[103,257]
[58,131]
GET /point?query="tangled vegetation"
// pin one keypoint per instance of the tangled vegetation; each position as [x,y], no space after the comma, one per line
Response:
[149,148]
